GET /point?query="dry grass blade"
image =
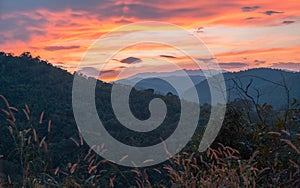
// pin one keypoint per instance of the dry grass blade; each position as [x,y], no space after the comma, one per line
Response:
[42,141]
[91,163]
[81,139]
[286,132]
[92,168]
[6,112]
[146,177]
[254,155]
[72,170]
[27,131]
[123,158]
[27,109]
[232,150]
[29,140]
[26,114]
[13,108]
[274,133]
[111,181]
[56,171]
[291,144]
[5,101]
[91,148]
[166,148]
[74,141]
[41,117]
[10,130]
[9,180]
[155,169]
[139,182]
[138,173]
[89,160]
[148,161]
[12,123]
[35,135]
[49,126]
[45,147]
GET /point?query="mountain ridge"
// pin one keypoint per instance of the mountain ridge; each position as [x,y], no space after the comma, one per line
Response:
[263,80]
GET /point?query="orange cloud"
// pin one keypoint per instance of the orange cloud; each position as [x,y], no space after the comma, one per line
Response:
[236,31]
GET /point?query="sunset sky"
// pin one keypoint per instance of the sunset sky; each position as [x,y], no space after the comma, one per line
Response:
[240,34]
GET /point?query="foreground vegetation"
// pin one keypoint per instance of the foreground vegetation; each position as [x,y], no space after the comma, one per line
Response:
[244,155]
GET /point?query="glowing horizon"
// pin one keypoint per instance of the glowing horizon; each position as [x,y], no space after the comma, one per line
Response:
[240,34]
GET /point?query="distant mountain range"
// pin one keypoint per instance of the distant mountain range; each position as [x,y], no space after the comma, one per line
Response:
[265,85]
[156,80]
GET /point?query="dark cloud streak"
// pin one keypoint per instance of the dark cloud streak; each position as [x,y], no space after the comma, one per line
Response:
[251,18]
[288,22]
[55,48]
[271,12]
[168,56]
[259,62]
[250,8]
[131,60]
